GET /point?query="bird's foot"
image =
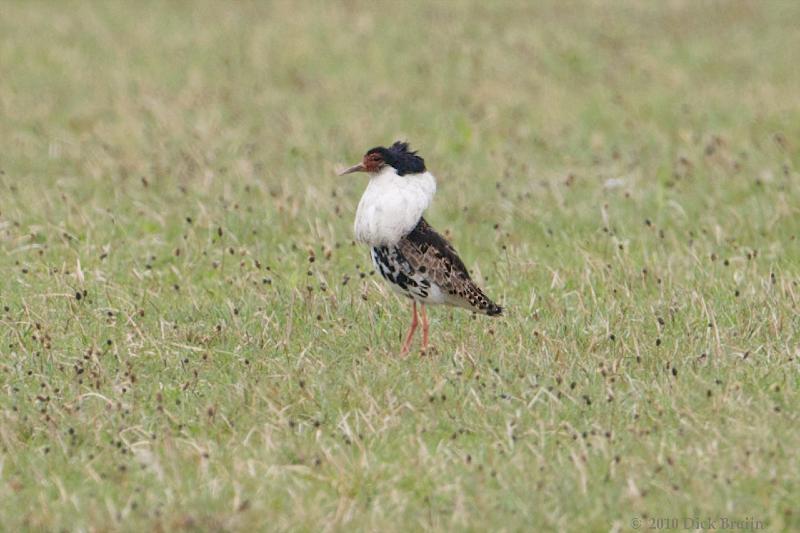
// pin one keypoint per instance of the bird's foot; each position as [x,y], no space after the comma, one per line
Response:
[428,350]
[404,351]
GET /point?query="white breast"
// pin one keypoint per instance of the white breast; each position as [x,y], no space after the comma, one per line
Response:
[392,205]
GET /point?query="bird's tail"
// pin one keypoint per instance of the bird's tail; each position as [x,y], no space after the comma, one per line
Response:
[483,303]
[494,310]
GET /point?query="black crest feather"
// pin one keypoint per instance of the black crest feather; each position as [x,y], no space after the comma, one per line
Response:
[399,157]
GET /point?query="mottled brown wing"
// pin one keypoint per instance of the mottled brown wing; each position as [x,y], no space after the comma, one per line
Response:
[431,255]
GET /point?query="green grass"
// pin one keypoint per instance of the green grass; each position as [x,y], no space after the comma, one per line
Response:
[231,361]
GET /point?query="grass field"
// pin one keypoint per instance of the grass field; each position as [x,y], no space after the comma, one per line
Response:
[190,340]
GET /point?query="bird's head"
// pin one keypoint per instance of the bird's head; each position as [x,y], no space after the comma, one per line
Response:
[397,156]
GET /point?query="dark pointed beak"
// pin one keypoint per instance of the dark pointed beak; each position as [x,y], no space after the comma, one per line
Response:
[355,168]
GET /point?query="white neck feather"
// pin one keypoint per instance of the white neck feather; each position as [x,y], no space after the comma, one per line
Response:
[392,205]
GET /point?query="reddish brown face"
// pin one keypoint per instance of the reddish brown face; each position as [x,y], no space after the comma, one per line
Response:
[372,163]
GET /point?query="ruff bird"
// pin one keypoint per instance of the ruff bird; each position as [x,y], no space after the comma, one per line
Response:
[416,260]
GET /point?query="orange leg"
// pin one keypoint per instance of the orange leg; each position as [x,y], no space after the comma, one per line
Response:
[411,330]
[425,327]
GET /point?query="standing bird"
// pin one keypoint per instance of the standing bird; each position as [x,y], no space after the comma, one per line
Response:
[417,261]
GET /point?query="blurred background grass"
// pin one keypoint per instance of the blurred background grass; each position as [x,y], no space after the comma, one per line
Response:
[621,175]
[309,81]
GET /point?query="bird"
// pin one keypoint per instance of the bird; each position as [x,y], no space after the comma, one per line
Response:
[416,260]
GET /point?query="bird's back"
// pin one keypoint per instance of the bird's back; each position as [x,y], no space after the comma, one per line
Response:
[429,255]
